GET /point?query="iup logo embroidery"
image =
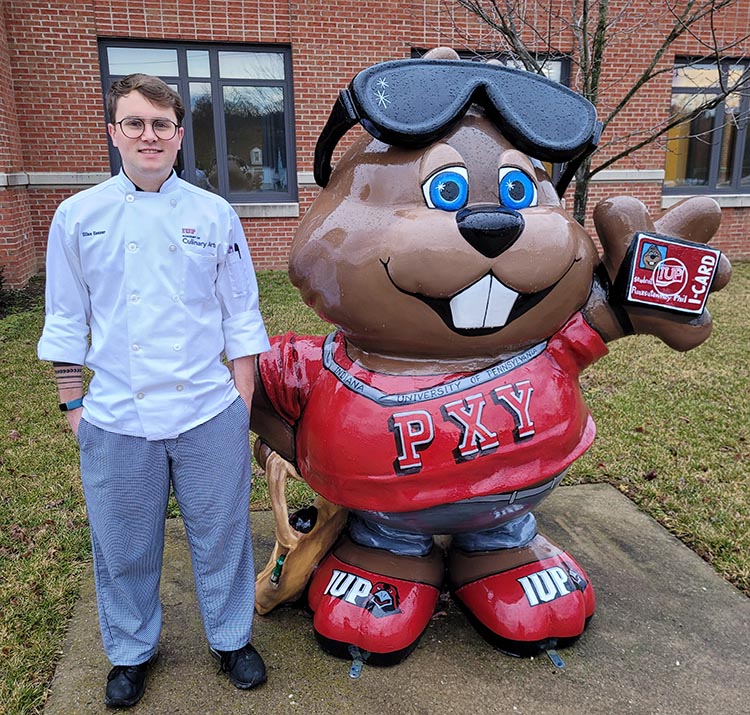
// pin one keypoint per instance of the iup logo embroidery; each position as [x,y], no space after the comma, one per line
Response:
[380,599]
[190,237]
[671,274]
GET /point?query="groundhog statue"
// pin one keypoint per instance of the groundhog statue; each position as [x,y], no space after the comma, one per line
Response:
[465,302]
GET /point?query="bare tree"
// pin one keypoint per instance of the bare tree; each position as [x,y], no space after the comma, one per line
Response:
[529,32]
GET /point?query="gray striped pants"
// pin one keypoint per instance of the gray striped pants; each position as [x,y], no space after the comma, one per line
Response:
[126,482]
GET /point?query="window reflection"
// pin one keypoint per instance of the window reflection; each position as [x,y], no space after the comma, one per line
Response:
[745,177]
[256,143]
[179,162]
[129,60]
[204,144]
[689,145]
[198,63]
[728,140]
[251,65]
[696,76]
[704,151]
[551,69]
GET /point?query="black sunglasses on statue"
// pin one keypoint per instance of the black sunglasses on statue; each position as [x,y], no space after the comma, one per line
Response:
[412,103]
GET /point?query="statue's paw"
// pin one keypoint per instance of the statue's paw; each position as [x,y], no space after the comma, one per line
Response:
[662,271]
[523,600]
[373,604]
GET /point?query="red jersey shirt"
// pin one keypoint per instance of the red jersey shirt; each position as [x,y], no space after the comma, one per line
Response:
[391,443]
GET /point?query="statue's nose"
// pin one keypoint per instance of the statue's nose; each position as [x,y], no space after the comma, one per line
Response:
[490,229]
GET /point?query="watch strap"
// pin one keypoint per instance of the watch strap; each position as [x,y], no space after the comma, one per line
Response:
[71,405]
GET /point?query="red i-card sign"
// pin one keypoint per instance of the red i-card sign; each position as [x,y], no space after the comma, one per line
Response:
[670,273]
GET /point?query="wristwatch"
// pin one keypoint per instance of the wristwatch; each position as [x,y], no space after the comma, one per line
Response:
[72,405]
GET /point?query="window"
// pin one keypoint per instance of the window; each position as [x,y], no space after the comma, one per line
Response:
[239,131]
[708,153]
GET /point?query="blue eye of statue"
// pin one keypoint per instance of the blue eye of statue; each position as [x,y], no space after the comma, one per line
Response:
[516,189]
[447,189]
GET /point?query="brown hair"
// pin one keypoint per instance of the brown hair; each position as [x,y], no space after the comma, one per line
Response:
[152,88]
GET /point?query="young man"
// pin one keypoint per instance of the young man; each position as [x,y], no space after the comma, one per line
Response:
[149,282]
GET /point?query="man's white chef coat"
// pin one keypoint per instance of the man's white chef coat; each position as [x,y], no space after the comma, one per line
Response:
[165,284]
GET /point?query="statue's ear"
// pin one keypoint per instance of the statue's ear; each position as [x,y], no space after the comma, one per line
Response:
[441,53]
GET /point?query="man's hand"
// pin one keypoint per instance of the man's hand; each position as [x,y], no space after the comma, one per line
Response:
[74,419]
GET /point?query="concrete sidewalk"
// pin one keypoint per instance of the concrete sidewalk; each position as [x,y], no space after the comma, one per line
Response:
[669,637]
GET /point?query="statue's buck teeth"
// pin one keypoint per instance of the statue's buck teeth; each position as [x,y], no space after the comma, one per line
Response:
[484,304]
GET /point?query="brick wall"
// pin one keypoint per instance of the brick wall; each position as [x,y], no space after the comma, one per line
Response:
[733,234]
[52,116]
[10,141]
[57,85]
[17,253]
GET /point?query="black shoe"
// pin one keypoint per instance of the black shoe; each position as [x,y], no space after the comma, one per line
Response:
[125,684]
[244,666]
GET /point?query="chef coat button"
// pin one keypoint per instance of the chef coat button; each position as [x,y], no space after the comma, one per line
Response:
[173,202]
[179,388]
[132,246]
[135,347]
[129,198]
[172,247]
[140,395]
[175,298]
[177,346]
[134,298]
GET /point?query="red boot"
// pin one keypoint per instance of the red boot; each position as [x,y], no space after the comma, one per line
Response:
[523,600]
[375,600]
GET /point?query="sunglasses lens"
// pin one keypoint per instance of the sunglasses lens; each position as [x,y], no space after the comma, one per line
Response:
[410,101]
[541,117]
[413,102]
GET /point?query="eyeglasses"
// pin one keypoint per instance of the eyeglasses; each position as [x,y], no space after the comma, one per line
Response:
[412,103]
[133,127]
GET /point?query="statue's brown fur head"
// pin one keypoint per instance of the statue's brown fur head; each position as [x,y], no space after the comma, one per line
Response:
[455,250]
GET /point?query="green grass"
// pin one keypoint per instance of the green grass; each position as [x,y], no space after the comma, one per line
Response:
[673,434]
[43,531]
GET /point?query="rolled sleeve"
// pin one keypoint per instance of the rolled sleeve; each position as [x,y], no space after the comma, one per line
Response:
[237,290]
[63,340]
[244,334]
[67,307]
